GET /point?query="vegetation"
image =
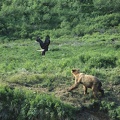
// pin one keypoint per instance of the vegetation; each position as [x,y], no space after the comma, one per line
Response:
[16,104]
[85,34]
[22,67]
[28,18]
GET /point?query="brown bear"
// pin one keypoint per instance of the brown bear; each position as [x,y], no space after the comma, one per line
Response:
[88,81]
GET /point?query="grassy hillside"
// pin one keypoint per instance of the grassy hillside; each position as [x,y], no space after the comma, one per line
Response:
[22,67]
[85,34]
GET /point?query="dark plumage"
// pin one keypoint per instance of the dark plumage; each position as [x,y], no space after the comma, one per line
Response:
[44,45]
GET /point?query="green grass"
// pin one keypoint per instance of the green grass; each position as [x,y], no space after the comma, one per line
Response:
[21,65]
[21,105]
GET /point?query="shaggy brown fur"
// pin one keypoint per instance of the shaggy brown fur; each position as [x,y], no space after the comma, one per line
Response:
[88,81]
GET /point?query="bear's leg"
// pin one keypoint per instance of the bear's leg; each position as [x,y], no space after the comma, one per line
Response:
[85,89]
[102,92]
[73,87]
[94,89]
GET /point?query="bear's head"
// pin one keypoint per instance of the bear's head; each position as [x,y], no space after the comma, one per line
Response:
[75,71]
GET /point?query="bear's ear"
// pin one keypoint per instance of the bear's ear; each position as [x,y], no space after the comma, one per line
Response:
[74,70]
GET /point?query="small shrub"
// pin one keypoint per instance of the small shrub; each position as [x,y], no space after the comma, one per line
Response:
[115,80]
[117,46]
[118,112]
[110,108]
[84,58]
[102,62]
